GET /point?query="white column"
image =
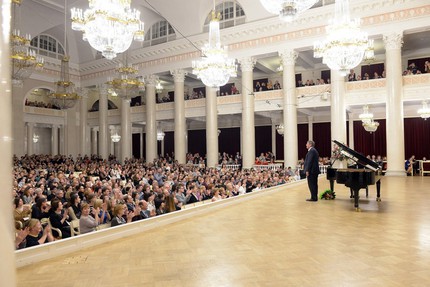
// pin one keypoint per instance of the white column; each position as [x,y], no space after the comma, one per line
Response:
[62,142]
[289,57]
[211,127]
[30,133]
[84,140]
[141,144]
[103,126]
[151,124]
[248,108]
[162,147]
[351,130]
[125,130]
[180,126]
[274,139]
[54,140]
[338,111]
[94,140]
[394,108]
[310,127]
[7,234]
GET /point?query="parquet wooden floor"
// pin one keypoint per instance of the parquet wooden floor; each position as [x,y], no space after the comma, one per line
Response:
[277,239]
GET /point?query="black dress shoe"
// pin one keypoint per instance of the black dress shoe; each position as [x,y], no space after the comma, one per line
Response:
[310,199]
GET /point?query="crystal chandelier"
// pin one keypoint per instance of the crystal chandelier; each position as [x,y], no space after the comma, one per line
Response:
[280,129]
[65,96]
[115,137]
[127,84]
[215,68]
[424,112]
[370,126]
[159,87]
[288,10]
[366,116]
[109,25]
[24,59]
[345,45]
[160,135]
[35,138]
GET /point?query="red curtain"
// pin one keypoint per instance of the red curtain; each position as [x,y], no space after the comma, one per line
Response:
[417,138]
[368,143]
[322,136]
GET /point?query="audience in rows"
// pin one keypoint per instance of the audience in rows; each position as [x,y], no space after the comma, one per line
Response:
[54,190]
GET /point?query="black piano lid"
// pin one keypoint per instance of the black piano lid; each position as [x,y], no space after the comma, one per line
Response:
[356,157]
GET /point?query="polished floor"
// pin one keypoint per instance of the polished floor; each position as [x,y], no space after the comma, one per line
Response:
[277,239]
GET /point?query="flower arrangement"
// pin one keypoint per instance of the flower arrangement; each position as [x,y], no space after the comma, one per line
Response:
[336,155]
[328,195]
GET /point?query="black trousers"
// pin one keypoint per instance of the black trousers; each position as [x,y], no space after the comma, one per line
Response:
[313,185]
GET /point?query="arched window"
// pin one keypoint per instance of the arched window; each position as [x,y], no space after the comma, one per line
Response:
[232,14]
[47,46]
[160,32]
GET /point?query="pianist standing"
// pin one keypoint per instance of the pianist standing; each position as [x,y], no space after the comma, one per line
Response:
[312,170]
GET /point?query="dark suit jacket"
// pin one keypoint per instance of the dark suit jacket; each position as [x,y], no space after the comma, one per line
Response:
[311,162]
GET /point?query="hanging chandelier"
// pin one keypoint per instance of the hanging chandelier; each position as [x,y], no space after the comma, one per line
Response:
[280,129]
[24,59]
[65,96]
[366,116]
[345,45]
[288,10]
[127,85]
[215,68]
[424,112]
[370,126]
[109,25]
[115,137]
[159,87]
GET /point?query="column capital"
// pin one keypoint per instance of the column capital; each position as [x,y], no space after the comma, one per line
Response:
[178,75]
[288,57]
[247,64]
[393,41]
[151,80]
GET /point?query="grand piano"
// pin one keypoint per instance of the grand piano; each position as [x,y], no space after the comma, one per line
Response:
[365,172]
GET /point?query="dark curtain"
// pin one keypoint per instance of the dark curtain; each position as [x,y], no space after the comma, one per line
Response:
[229,141]
[371,69]
[419,63]
[169,143]
[171,96]
[322,136]
[279,146]
[135,145]
[368,143]
[226,89]
[197,142]
[263,139]
[325,75]
[298,78]
[417,138]
[201,89]
[302,138]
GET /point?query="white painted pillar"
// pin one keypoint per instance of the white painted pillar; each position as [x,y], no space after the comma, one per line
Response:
[180,126]
[394,108]
[248,108]
[310,127]
[83,114]
[141,144]
[94,140]
[151,123]
[289,57]
[62,141]
[125,130]
[211,127]
[351,130]
[274,139]
[103,125]
[30,133]
[7,233]
[337,109]
[54,140]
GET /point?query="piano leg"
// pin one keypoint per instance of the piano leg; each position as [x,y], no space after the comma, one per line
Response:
[356,198]
[332,184]
[378,190]
[351,193]
[367,191]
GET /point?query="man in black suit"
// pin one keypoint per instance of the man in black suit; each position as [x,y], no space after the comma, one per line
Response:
[311,169]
